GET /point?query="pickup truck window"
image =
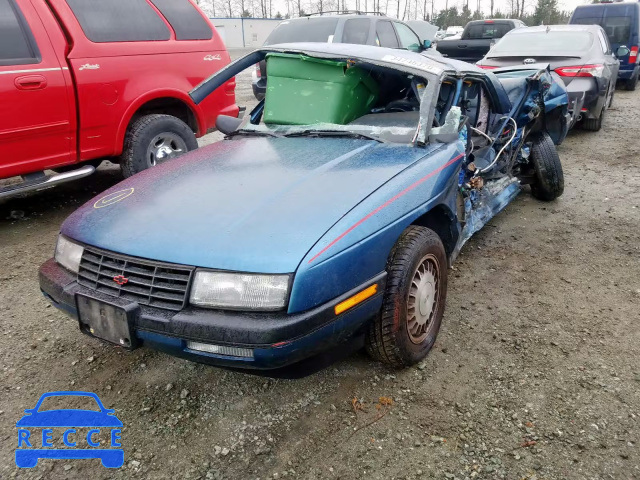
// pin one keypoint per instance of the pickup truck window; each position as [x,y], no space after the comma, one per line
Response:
[408,39]
[185,20]
[119,21]
[386,35]
[486,30]
[17,46]
[356,30]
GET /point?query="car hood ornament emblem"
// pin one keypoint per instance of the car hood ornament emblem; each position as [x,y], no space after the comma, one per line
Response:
[529,61]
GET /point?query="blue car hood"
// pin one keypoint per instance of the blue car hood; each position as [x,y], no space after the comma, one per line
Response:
[255,204]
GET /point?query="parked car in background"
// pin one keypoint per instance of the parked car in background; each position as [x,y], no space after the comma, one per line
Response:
[329,222]
[621,23]
[355,28]
[476,39]
[452,31]
[580,54]
[81,82]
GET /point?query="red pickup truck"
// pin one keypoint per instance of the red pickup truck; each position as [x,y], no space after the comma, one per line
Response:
[82,81]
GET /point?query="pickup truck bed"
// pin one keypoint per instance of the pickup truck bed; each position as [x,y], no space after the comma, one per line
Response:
[477,38]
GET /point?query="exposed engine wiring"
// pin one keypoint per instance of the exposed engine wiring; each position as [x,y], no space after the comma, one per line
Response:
[482,133]
[515,130]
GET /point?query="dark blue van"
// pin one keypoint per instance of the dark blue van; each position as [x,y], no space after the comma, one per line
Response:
[621,22]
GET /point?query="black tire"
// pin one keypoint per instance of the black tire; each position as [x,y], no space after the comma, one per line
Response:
[632,83]
[549,178]
[144,131]
[613,92]
[593,124]
[388,339]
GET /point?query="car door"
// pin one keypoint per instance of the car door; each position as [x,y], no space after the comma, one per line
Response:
[35,119]
[611,65]
[408,38]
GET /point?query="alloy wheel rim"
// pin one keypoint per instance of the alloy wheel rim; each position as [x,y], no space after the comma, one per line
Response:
[422,303]
[163,147]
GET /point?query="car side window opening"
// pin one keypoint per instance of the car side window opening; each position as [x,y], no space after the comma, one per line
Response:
[356,30]
[119,21]
[475,104]
[446,96]
[311,29]
[17,45]
[604,43]
[408,39]
[618,29]
[185,20]
[386,35]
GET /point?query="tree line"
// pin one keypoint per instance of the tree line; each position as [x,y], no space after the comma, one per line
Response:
[546,12]
[531,12]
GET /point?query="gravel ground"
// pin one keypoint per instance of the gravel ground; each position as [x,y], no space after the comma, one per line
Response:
[535,375]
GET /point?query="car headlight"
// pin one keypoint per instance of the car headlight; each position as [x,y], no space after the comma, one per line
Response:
[239,290]
[68,254]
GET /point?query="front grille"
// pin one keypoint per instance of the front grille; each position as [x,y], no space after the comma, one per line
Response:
[148,283]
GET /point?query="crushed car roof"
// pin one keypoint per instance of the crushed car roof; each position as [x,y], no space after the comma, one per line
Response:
[421,64]
[392,57]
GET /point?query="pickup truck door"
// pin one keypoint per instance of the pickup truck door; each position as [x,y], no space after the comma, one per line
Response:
[37,124]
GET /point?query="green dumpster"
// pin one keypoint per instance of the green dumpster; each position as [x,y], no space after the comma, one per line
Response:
[303,91]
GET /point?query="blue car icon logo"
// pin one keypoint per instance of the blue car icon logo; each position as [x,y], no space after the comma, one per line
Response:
[85,433]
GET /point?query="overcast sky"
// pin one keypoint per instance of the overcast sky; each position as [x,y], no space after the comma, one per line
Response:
[281,5]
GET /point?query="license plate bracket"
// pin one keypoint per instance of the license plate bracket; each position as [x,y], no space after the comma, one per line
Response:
[106,321]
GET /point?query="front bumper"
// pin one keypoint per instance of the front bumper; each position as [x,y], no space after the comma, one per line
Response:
[277,339]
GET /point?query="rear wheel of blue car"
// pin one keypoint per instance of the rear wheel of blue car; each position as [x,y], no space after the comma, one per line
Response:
[548,183]
[414,299]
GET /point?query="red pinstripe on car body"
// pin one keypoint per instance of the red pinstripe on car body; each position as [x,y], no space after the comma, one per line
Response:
[384,205]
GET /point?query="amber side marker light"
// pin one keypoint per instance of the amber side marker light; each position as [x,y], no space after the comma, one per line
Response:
[356,299]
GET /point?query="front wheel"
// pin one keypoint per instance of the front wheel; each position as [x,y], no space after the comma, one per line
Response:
[549,178]
[155,139]
[414,300]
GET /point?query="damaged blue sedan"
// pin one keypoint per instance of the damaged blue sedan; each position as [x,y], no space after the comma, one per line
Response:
[328,216]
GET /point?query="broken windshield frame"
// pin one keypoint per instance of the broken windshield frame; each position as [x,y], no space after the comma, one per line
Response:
[402,61]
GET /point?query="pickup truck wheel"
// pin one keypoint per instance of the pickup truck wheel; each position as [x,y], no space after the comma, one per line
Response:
[154,139]
[414,299]
[549,178]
